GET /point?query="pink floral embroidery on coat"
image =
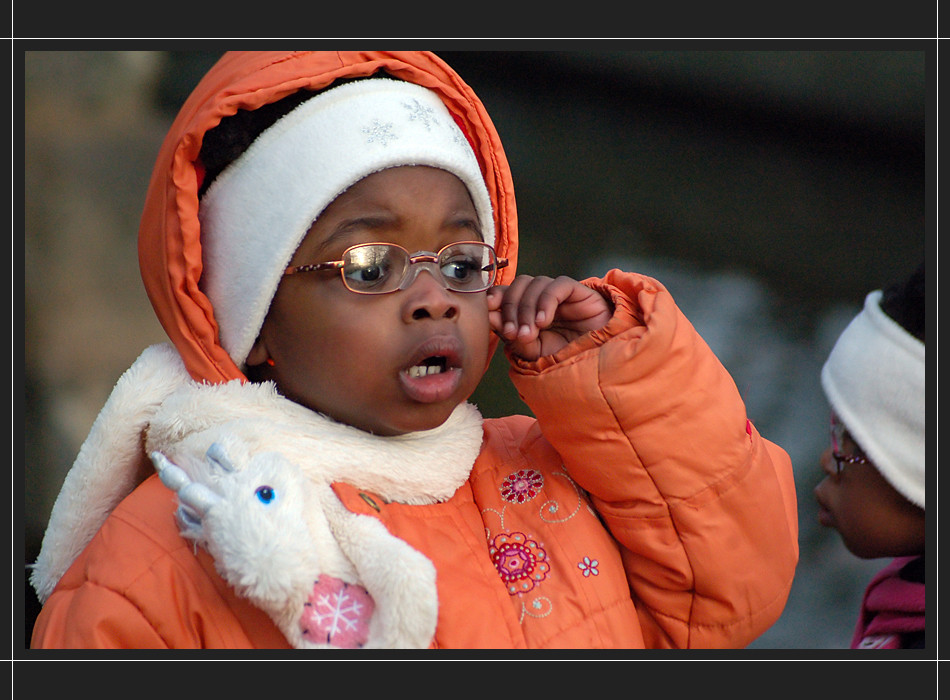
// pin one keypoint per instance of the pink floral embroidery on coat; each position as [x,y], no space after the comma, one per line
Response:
[521,486]
[521,562]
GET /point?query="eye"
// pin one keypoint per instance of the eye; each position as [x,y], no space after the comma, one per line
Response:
[464,266]
[368,266]
[461,268]
[265,494]
[367,274]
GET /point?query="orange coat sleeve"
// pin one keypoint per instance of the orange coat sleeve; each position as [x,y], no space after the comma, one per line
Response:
[93,617]
[650,423]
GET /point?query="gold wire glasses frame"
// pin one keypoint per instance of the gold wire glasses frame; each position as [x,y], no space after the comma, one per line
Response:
[381,268]
[838,431]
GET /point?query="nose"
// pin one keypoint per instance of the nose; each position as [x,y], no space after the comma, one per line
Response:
[427,298]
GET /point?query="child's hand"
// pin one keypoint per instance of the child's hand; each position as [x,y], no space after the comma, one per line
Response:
[538,316]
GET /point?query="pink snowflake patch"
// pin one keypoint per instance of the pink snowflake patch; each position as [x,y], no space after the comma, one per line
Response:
[522,485]
[337,613]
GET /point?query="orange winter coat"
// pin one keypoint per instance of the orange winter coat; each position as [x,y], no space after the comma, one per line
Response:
[640,509]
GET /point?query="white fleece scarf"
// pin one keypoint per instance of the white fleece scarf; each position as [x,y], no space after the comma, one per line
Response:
[253,473]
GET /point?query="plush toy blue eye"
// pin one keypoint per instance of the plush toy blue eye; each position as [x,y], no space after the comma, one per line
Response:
[265,494]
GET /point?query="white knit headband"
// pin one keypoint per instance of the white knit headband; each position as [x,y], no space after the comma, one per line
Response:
[874,380]
[258,210]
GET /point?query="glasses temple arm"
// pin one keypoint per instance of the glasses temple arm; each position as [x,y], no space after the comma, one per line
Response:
[314,267]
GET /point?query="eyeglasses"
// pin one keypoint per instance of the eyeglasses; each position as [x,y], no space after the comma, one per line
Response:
[838,431]
[381,268]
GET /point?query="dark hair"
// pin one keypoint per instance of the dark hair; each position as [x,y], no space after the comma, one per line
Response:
[904,302]
[230,138]
[224,144]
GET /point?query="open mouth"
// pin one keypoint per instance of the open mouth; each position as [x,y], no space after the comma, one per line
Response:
[434,372]
[436,364]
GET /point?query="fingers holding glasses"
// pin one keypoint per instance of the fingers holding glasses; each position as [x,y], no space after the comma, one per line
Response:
[538,316]
[515,307]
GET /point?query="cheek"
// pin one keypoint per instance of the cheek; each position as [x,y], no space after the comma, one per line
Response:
[478,329]
[871,522]
[313,337]
[333,371]
[478,339]
[325,344]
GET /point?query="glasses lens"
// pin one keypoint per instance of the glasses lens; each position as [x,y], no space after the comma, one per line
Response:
[854,455]
[374,269]
[837,434]
[468,267]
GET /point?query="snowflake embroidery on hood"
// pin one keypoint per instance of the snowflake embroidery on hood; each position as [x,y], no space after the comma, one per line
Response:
[418,111]
[380,133]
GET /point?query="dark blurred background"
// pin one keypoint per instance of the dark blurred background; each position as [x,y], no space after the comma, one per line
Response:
[770,190]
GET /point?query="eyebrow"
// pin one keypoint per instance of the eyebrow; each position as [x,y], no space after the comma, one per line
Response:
[348,227]
[469,222]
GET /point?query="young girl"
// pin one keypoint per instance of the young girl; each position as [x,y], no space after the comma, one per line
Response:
[330,242]
[873,494]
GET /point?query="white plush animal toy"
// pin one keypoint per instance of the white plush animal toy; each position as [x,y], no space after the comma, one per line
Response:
[328,578]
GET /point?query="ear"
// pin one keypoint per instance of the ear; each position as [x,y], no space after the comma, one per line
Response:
[258,354]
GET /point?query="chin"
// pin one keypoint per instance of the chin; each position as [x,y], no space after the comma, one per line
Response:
[411,422]
[862,549]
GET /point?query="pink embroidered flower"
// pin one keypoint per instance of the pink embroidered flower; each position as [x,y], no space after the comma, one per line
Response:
[521,486]
[521,562]
[337,613]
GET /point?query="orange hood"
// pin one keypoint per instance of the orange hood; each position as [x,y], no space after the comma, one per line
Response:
[170,234]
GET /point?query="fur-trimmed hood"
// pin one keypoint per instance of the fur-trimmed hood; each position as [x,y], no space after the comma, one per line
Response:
[170,233]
